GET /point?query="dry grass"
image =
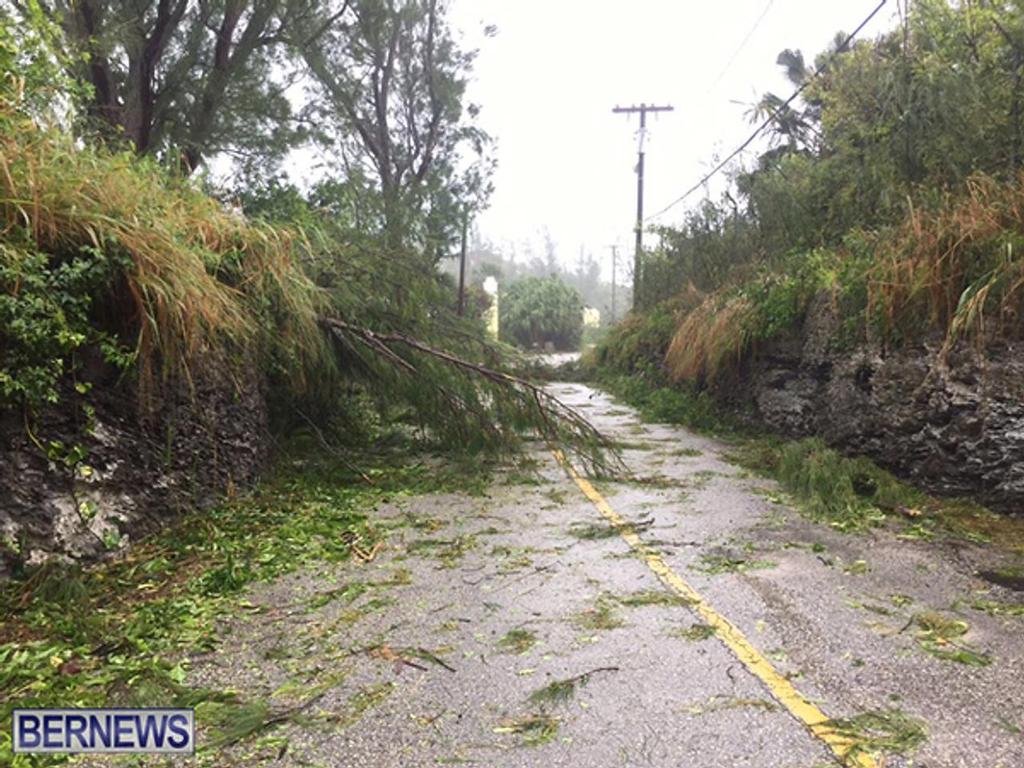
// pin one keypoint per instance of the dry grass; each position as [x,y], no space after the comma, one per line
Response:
[196,276]
[711,337]
[955,267]
[958,264]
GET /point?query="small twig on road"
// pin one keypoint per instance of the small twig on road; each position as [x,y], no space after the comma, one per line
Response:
[289,713]
[423,653]
[559,691]
[592,672]
[365,556]
[534,588]
[401,656]
[387,653]
[271,720]
[528,574]
[432,721]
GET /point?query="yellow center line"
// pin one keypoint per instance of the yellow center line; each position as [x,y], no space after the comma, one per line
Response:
[781,689]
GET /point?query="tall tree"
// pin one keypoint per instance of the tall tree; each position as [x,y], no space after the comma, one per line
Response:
[392,82]
[188,77]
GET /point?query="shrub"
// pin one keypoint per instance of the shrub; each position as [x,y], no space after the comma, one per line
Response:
[724,326]
[538,310]
[956,266]
[641,339]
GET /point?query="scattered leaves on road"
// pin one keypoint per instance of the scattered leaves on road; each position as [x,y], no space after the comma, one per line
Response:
[880,731]
[693,633]
[560,691]
[940,636]
[517,641]
[535,729]
[717,564]
[601,616]
[720,703]
[652,597]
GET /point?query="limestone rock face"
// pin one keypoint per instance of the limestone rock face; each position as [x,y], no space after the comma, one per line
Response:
[142,465]
[951,422]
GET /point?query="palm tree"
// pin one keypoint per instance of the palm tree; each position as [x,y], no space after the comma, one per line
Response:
[797,129]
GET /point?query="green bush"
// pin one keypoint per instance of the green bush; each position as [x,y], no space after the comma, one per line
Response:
[44,319]
[641,339]
[541,310]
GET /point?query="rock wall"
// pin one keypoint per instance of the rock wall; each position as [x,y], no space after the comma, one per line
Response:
[142,466]
[952,423]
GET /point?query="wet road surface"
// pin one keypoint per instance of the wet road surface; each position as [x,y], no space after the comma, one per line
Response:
[522,629]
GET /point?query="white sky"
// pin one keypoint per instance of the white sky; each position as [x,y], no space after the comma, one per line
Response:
[549,79]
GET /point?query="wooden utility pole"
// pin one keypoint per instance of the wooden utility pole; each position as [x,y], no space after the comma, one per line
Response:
[643,109]
[462,266]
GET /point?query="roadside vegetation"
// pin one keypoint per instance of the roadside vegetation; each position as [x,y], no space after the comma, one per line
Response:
[127,273]
[122,633]
[123,267]
[891,194]
[847,493]
[892,191]
[108,254]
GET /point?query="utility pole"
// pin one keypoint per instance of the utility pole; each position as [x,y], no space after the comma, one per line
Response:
[643,109]
[615,259]
[462,265]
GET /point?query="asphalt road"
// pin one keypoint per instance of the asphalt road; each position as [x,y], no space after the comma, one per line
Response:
[523,629]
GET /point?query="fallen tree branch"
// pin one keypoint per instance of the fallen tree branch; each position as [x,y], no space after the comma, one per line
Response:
[556,422]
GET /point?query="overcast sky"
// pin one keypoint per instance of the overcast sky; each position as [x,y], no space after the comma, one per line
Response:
[548,80]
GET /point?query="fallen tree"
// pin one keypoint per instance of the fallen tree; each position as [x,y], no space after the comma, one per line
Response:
[153,340]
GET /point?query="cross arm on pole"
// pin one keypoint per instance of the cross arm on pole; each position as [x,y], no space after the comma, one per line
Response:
[642,108]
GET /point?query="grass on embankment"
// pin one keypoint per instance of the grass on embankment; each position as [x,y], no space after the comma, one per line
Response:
[953,267]
[115,634]
[847,493]
[108,249]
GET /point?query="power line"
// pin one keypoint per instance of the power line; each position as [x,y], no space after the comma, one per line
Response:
[742,45]
[768,121]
